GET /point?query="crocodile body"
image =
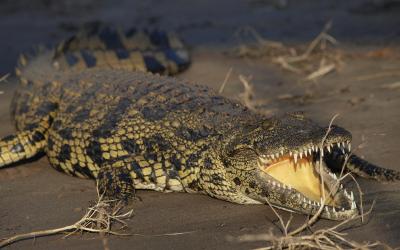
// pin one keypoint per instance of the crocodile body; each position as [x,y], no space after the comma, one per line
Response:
[91,108]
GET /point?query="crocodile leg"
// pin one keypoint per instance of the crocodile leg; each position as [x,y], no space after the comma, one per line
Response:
[361,167]
[30,139]
[23,145]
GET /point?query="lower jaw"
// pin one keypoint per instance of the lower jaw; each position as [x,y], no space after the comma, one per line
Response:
[326,212]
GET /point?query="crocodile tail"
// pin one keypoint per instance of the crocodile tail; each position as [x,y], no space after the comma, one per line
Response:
[105,47]
[361,167]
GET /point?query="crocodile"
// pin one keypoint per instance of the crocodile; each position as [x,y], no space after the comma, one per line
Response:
[104,105]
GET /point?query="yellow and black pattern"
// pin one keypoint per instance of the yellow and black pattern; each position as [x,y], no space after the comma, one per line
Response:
[128,128]
[105,47]
[138,122]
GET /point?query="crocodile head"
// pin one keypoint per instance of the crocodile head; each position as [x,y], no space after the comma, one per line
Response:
[281,161]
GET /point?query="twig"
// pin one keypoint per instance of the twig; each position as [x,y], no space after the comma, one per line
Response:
[4,78]
[322,35]
[284,64]
[247,95]
[228,74]
[316,215]
[395,85]
[321,71]
[283,225]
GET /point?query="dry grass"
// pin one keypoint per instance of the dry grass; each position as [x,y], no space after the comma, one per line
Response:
[228,74]
[391,86]
[314,61]
[326,238]
[98,219]
[247,97]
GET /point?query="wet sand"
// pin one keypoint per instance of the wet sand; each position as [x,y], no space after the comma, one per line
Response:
[33,196]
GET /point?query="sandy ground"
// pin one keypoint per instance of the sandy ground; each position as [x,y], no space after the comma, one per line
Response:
[34,196]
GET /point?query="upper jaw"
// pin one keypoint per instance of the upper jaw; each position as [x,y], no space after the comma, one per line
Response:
[309,149]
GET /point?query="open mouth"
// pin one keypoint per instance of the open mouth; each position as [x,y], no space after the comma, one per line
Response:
[303,172]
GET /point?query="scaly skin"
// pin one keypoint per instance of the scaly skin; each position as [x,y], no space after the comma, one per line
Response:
[95,114]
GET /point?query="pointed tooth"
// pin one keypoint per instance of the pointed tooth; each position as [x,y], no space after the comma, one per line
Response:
[295,158]
[273,183]
[309,202]
[304,200]
[326,209]
[328,148]
[353,205]
[298,195]
[278,185]
[277,155]
[290,153]
[305,153]
[282,152]
[310,151]
[349,146]
[322,152]
[345,193]
[301,155]
[334,176]
[352,196]
[272,156]
[333,209]
[341,186]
